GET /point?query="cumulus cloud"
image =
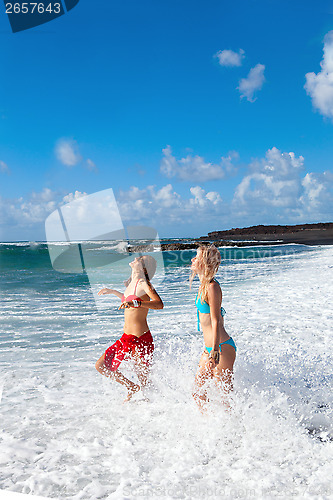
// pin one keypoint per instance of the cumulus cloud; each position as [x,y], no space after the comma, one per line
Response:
[23,212]
[252,83]
[67,152]
[271,181]
[194,168]
[165,205]
[73,196]
[320,86]
[313,190]
[230,58]
[277,187]
[160,207]
[317,196]
[34,209]
[203,199]
[4,167]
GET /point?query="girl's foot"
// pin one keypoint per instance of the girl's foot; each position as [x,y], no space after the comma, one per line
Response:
[131,391]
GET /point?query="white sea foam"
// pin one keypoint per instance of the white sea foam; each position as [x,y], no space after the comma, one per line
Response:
[66,434]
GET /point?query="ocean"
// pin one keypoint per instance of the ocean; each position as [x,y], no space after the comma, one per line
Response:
[65,432]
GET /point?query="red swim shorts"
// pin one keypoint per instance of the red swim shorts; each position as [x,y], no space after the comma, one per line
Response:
[142,345]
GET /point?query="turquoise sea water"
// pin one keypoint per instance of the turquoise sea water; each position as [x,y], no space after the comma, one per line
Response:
[33,293]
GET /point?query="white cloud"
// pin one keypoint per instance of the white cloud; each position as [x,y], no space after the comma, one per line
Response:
[252,83]
[73,196]
[23,212]
[67,152]
[276,187]
[271,181]
[230,58]
[87,217]
[199,196]
[203,199]
[27,212]
[214,197]
[165,205]
[4,167]
[166,197]
[313,190]
[317,196]
[278,165]
[320,86]
[91,165]
[148,203]
[194,168]
[24,218]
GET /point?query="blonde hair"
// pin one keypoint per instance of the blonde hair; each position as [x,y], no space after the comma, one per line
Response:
[209,260]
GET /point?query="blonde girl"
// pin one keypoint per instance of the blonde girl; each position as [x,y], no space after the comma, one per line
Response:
[218,358]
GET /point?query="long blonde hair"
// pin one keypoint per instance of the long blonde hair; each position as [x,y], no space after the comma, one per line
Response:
[209,260]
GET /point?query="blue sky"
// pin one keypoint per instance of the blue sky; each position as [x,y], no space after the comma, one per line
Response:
[200,116]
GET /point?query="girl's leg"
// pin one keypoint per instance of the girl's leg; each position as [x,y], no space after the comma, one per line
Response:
[131,387]
[203,374]
[142,362]
[141,369]
[223,372]
[142,357]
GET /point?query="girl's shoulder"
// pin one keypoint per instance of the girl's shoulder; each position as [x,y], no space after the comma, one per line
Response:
[214,286]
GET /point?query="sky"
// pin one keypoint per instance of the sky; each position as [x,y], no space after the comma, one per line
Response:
[199,115]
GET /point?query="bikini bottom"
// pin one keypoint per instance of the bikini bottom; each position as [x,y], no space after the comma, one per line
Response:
[229,342]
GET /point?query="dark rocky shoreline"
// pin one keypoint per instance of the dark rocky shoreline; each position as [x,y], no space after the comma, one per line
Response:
[304,234]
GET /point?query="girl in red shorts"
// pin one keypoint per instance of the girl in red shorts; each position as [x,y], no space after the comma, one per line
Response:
[137,342]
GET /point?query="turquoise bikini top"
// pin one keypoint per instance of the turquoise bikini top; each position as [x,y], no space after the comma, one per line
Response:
[203,307]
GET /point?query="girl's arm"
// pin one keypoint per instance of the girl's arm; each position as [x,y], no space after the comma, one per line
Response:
[106,291]
[215,300]
[155,302]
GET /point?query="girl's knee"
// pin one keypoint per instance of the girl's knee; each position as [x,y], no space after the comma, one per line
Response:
[224,379]
[100,367]
[224,373]
[99,363]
